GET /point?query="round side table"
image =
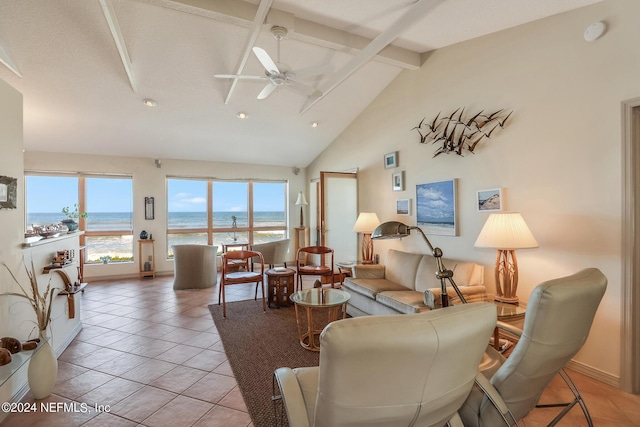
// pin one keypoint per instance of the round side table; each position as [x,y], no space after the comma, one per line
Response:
[313,299]
[280,284]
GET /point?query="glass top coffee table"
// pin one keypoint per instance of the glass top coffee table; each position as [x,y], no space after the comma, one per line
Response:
[313,300]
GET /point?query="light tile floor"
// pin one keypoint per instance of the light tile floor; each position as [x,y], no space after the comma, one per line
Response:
[154,357]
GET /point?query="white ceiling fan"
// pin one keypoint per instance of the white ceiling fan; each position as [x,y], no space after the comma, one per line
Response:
[280,74]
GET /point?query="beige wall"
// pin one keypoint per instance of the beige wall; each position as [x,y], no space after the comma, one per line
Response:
[149,180]
[11,224]
[558,161]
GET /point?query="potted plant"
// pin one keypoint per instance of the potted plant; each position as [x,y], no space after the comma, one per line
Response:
[71,220]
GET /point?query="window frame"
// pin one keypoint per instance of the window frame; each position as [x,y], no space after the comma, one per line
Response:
[210,230]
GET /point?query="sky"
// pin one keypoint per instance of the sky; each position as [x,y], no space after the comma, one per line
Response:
[50,194]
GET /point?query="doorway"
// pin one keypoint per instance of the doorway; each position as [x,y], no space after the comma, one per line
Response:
[630,351]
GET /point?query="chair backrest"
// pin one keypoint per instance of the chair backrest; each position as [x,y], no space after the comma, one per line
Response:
[409,369]
[194,266]
[232,257]
[322,251]
[556,325]
[274,253]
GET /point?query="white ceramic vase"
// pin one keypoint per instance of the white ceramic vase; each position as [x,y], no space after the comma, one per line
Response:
[43,369]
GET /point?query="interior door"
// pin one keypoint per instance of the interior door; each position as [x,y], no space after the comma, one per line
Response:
[338,212]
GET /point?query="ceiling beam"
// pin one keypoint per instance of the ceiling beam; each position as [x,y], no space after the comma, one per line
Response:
[114,26]
[6,60]
[254,32]
[412,15]
[241,13]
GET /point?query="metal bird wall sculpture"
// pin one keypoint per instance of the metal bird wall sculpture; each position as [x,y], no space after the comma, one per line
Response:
[453,134]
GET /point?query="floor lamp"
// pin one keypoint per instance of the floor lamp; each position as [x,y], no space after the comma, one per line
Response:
[301,201]
[506,232]
[365,224]
[398,230]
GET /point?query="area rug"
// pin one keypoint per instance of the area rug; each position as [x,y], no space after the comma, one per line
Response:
[257,343]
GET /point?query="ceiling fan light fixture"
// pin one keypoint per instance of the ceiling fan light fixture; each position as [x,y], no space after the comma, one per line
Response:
[149,102]
[242,115]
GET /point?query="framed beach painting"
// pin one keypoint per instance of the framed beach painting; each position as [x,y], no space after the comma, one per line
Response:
[391,160]
[436,207]
[403,207]
[489,200]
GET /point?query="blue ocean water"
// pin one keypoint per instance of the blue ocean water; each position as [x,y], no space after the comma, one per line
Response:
[99,221]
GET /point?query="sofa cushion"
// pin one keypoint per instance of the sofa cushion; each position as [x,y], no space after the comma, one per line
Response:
[405,302]
[371,287]
[368,271]
[464,273]
[401,267]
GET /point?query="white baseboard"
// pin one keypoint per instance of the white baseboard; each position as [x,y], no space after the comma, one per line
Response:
[594,373]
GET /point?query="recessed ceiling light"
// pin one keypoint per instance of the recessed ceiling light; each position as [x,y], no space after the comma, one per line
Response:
[242,115]
[149,102]
[315,124]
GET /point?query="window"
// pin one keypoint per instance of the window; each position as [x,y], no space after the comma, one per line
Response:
[108,200]
[109,225]
[217,212]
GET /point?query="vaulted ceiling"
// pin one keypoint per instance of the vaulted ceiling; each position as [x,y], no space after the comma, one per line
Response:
[85,67]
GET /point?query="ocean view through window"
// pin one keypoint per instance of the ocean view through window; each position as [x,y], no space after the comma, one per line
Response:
[216,212]
[106,199]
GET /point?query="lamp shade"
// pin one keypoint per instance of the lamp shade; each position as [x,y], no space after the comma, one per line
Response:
[391,230]
[366,222]
[506,230]
[302,201]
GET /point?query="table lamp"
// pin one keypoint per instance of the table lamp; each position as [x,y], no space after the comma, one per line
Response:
[302,201]
[365,224]
[506,232]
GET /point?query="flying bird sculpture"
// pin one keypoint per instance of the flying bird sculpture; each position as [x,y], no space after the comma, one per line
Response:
[459,133]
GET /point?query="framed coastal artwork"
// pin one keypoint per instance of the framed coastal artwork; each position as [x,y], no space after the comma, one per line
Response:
[436,207]
[403,207]
[149,208]
[397,181]
[489,200]
[391,160]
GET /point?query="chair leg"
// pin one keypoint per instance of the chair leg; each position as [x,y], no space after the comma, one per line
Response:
[567,406]
[224,305]
[264,304]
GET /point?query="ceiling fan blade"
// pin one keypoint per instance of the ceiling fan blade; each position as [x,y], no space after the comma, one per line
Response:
[240,76]
[266,91]
[313,71]
[304,89]
[265,60]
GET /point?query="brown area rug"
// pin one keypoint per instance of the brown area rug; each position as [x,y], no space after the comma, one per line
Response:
[257,343]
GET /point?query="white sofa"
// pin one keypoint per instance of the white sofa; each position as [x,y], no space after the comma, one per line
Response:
[398,286]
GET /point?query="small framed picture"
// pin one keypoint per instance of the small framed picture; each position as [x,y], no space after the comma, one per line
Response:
[489,200]
[8,192]
[149,208]
[391,160]
[398,181]
[403,207]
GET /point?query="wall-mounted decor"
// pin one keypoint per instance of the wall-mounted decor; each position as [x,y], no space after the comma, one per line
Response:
[8,192]
[489,200]
[436,207]
[457,132]
[149,208]
[403,207]
[397,180]
[391,160]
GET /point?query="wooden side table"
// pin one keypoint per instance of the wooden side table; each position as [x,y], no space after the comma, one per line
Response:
[311,300]
[280,284]
[152,261]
